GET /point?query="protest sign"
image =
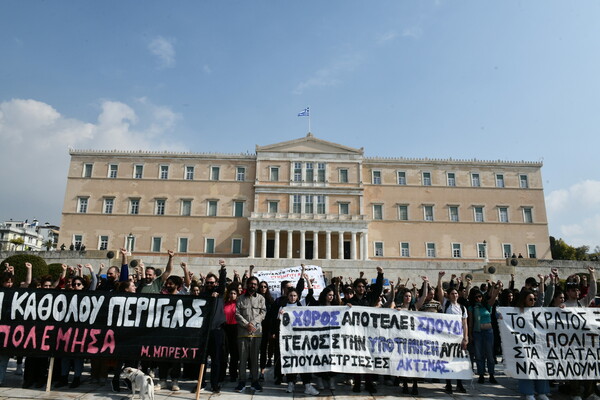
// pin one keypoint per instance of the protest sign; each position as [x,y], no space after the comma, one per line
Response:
[373,340]
[292,274]
[551,343]
[102,324]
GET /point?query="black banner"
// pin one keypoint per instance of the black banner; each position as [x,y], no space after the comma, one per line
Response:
[103,324]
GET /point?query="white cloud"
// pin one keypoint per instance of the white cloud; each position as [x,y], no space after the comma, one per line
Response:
[386,37]
[164,49]
[413,32]
[35,139]
[206,69]
[576,213]
[330,75]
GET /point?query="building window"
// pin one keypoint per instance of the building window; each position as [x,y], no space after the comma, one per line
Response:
[240,174]
[182,246]
[401,178]
[214,173]
[138,171]
[376,178]
[113,170]
[320,172]
[453,210]
[82,205]
[481,248]
[134,206]
[77,241]
[297,204]
[527,215]
[428,213]
[164,172]
[344,208]
[478,211]
[189,172]
[523,182]
[238,208]
[403,212]
[308,204]
[310,172]
[503,214]
[507,250]
[212,208]
[297,172]
[377,211]
[499,180]
[343,176]
[378,249]
[236,246]
[103,243]
[108,205]
[531,251]
[456,250]
[426,178]
[451,179]
[209,246]
[320,204]
[475,182]
[186,208]
[160,207]
[156,244]
[273,207]
[404,249]
[430,249]
[87,170]
[274,174]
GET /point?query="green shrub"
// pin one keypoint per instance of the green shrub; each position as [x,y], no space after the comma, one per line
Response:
[55,269]
[39,266]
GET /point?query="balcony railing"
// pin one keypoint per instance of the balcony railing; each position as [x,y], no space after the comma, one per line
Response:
[303,216]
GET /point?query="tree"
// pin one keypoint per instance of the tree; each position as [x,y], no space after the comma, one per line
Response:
[39,266]
[48,244]
[18,241]
[563,251]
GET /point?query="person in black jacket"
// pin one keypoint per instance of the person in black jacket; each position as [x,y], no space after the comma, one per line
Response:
[216,334]
[272,316]
[366,299]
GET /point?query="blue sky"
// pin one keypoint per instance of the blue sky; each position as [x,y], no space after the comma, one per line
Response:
[510,80]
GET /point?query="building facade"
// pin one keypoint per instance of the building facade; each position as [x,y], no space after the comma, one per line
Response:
[20,235]
[306,199]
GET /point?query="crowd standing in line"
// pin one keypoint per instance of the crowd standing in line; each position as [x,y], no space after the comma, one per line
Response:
[243,335]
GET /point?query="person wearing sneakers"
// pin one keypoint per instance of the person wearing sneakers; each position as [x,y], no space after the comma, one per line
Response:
[249,314]
[294,301]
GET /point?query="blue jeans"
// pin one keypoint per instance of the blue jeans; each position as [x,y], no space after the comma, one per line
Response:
[484,351]
[529,387]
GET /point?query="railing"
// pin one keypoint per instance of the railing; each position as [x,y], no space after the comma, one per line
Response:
[303,216]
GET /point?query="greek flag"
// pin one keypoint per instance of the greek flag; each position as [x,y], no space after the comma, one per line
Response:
[304,113]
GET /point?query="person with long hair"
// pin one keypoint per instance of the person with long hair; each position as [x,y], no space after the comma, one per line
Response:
[230,328]
[266,343]
[481,333]
[528,387]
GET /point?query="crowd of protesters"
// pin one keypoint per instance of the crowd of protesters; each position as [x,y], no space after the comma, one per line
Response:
[244,331]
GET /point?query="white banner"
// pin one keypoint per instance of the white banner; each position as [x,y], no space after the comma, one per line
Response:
[371,340]
[292,274]
[551,343]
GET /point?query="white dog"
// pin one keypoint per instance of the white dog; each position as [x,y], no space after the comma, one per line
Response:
[140,382]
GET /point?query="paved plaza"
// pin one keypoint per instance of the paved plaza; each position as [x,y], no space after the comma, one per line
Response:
[505,389]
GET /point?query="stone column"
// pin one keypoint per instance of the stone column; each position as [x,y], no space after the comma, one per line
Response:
[276,250]
[252,249]
[315,245]
[263,244]
[353,246]
[302,244]
[341,245]
[328,245]
[289,244]
[365,246]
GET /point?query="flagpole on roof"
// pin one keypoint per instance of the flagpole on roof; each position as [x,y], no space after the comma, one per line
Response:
[308,109]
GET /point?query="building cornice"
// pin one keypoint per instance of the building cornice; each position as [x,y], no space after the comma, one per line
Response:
[367,161]
[160,154]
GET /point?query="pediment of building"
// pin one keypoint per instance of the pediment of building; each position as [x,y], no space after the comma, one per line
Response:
[309,144]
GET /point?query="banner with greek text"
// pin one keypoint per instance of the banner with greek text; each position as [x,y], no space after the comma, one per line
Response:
[551,343]
[373,340]
[292,274]
[102,324]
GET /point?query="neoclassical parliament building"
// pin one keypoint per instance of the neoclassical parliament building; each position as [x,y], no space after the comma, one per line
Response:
[305,199]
